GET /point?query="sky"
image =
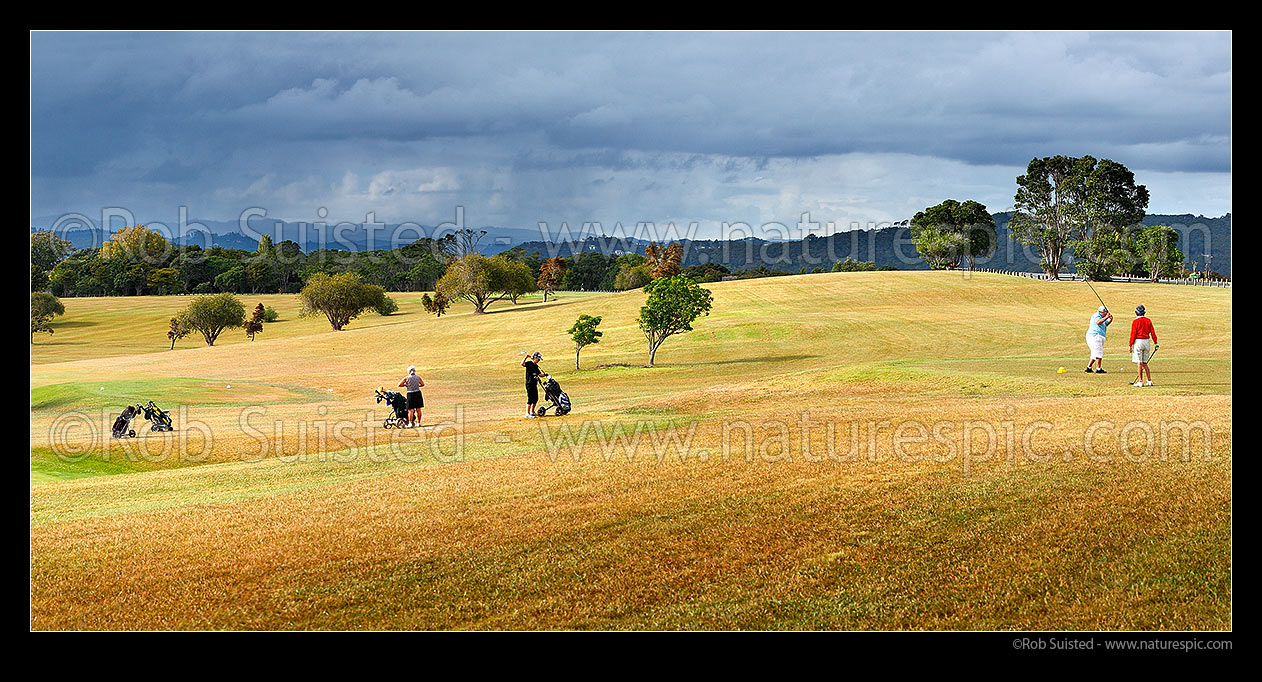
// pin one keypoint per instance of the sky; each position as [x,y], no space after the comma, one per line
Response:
[515,129]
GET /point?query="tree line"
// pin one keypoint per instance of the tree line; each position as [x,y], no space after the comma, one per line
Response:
[1080,205]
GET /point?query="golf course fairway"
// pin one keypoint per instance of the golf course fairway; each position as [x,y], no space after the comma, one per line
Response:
[871,450]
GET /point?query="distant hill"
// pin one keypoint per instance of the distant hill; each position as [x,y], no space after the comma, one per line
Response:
[346,236]
[886,247]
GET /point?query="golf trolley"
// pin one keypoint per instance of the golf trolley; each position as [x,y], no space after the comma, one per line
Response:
[159,419]
[558,401]
[399,406]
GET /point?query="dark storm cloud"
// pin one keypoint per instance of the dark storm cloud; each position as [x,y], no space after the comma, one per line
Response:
[200,108]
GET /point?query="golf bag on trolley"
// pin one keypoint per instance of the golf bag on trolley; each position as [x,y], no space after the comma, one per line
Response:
[122,424]
[558,401]
[398,403]
[158,417]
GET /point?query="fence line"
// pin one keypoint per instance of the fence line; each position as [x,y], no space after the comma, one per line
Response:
[1075,278]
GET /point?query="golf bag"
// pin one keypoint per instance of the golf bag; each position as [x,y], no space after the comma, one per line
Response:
[122,425]
[559,401]
[158,417]
[398,403]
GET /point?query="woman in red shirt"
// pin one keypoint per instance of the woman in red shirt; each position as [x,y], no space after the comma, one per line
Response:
[1143,345]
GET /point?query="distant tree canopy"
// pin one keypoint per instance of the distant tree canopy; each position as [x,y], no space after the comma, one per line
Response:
[1156,249]
[339,298]
[134,262]
[211,314]
[952,232]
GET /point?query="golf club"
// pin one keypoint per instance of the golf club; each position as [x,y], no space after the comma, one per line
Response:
[1097,294]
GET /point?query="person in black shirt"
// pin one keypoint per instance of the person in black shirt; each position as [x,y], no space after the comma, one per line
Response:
[531,363]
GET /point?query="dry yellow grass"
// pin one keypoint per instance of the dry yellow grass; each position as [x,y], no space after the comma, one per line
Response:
[513,533]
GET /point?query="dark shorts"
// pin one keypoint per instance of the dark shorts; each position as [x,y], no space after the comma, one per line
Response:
[414,400]
[532,393]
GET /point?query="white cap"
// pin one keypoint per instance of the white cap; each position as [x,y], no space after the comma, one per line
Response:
[411,369]
[1103,309]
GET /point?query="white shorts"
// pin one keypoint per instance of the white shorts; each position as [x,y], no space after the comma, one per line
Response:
[1142,350]
[1096,343]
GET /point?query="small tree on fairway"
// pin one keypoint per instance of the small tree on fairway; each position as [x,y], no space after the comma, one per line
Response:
[674,303]
[254,325]
[584,334]
[43,307]
[386,307]
[211,314]
[437,305]
[340,298]
[177,331]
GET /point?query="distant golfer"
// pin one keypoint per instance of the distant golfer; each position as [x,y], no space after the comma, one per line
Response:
[531,363]
[1099,326]
[1143,345]
[413,384]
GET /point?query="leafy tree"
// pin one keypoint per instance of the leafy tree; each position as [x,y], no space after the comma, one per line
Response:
[340,298]
[1048,206]
[177,330]
[584,333]
[424,274]
[232,280]
[137,244]
[266,249]
[260,274]
[518,280]
[551,274]
[44,306]
[586,271]
[1080,203]
[852,265]
[1157,247]
[477,279]
[436,305]
[673,304]
[664,261]
[1112,205]
[386,307]
[953,231]
[209,315]
[164,280]
[47,249]
[632,276]
[254,325]
[39,278]
[270,314]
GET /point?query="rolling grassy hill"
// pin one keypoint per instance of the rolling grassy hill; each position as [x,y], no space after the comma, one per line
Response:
[850,450]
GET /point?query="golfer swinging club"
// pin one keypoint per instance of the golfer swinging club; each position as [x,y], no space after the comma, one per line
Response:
[531,363]
[1099,326]
[1143,345]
